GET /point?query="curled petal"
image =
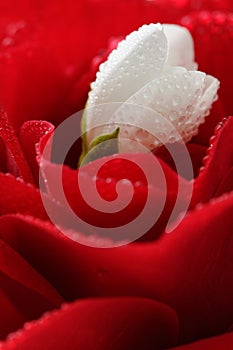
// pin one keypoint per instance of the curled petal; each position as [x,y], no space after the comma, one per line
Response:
[189,269]
[176,104]
[180,47]
[19,197]
[8,135]
[140,90]
[136,60]
[101,324]
[215,175]
[25,294]
[30,134]
[140,186]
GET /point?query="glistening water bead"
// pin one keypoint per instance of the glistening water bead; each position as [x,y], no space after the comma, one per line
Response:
[154,92]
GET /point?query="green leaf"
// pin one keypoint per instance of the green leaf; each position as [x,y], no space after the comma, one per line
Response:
[103,145]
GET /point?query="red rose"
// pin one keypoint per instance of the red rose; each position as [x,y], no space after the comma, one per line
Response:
[162,291]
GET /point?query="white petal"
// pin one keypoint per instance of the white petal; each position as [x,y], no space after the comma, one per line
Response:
[138,59]
[210,94]
[150,89]
[180,46]
[166,109]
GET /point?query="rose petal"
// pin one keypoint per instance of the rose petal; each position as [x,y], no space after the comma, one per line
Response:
[136,171]
[196,152]
[19,197]
[119,323]
[24,293]
[146,47]
[189,269]
[173,108]
[30,134]
[8,135]
[24,70]
[206,130]
[79,93]
[55,43]
[212,33]
[42,245]
[218,164]
[180,47]
[226,184]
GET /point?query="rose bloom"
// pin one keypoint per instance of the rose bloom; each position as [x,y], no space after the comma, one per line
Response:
[163,291]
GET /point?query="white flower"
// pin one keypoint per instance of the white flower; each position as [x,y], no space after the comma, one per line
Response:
[153,78]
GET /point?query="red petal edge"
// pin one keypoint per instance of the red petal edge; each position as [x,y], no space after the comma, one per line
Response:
[101,324]
[189,269]
[218,164]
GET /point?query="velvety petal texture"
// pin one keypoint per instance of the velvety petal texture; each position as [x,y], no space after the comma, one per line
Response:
[122,323]
[23,198]
[215,177]
[30,134]
[24,295]
[17,162]
[212,32]
[142,174]
[189,269]
[163,291]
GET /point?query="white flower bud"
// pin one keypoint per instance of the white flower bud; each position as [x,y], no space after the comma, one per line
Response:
[152,76]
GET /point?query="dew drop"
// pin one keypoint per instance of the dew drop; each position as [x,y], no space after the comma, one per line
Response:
[147,94]
[188,109]
[176,100]
[138,184]
[141,134]
[203,106]
[173,115]
[8,42]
